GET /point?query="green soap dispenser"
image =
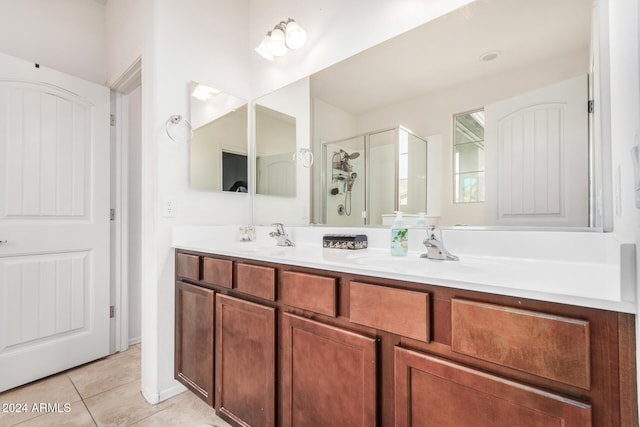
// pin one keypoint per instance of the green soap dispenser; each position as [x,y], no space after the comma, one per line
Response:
[399,236]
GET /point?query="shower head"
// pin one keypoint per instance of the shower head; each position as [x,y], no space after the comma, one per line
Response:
[351,156]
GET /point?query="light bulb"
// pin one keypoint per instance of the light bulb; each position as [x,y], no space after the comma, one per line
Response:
[276,43]
[295,36]
[263,48]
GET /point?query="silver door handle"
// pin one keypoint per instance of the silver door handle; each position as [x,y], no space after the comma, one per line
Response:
[3,241]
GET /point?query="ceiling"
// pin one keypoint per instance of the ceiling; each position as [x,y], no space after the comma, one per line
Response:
[446,52]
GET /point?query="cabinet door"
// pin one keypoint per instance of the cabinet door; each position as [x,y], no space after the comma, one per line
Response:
[328,375]
[434,392]
[194,339]
[245,361]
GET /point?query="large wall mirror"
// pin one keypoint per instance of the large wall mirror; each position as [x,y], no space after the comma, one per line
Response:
[526,160]
[219,147]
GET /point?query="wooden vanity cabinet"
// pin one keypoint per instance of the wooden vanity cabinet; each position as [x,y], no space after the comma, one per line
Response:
[298,346]
[328,375]
[194,339]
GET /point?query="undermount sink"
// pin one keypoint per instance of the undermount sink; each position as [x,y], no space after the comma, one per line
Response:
[252,247]
[410,263]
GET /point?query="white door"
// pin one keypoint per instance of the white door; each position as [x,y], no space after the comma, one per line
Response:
[537,157]
[277,175]
[54,217]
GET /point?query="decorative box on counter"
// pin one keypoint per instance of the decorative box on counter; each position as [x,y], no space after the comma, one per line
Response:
[344,241]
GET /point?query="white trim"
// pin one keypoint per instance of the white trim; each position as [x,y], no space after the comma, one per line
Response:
[163,395]
[123,86]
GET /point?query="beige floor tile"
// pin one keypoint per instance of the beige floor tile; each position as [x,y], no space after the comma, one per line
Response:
[189,411]
[75,415]
[119,369]
[56,389]
[121,406]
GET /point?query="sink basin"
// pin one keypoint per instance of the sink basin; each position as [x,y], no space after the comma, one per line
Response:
[260,248]
[251,247]
[412,264]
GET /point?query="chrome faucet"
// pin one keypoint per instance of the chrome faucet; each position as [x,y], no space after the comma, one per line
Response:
[281,236]
[435,246]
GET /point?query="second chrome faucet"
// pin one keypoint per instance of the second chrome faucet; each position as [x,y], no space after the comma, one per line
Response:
[281,236]
[435,246]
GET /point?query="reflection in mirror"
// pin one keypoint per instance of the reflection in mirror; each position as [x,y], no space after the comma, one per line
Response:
[218,150]
[282,128]
[390,163]
[275,153]
[468,145]
[493,56]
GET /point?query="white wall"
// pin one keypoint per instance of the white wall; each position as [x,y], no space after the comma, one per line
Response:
[66,35]
[204,41]
[125,26]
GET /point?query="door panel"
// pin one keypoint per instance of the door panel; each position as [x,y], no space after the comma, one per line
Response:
[537,157]
[54,213]
[46,296]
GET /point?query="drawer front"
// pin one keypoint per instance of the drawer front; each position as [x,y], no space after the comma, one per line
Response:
[217,272]
[188,266]
[398,311]
[549,346]
[309,292]
[256,280]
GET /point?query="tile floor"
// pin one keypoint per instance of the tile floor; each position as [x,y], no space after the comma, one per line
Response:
[103,393]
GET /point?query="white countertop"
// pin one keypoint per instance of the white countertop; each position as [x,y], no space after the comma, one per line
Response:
[575,281]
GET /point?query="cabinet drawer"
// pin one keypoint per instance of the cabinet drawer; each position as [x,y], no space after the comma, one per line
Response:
[188,266]
[256,280]
[217,272]
[549,346]
[309,292]
[398,311]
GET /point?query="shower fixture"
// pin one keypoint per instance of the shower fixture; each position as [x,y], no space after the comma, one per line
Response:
[351,156]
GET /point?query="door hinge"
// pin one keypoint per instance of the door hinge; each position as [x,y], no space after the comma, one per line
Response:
[112,214]
[112,120]
[590,106]
[112,311]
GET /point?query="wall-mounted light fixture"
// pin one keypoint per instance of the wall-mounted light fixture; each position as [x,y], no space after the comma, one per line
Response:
[284,36]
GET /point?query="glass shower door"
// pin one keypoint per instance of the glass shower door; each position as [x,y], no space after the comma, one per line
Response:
[382,173]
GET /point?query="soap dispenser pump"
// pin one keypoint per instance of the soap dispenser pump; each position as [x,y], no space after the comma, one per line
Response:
[399,236]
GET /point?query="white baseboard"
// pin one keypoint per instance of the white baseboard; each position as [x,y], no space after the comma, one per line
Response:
[154,397]
[134,341]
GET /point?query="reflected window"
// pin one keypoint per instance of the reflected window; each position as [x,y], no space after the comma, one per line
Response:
[468,147]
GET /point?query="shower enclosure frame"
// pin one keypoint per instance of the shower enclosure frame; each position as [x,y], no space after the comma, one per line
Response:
[327,157]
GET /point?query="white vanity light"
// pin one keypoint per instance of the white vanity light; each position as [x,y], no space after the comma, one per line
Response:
[284,36]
